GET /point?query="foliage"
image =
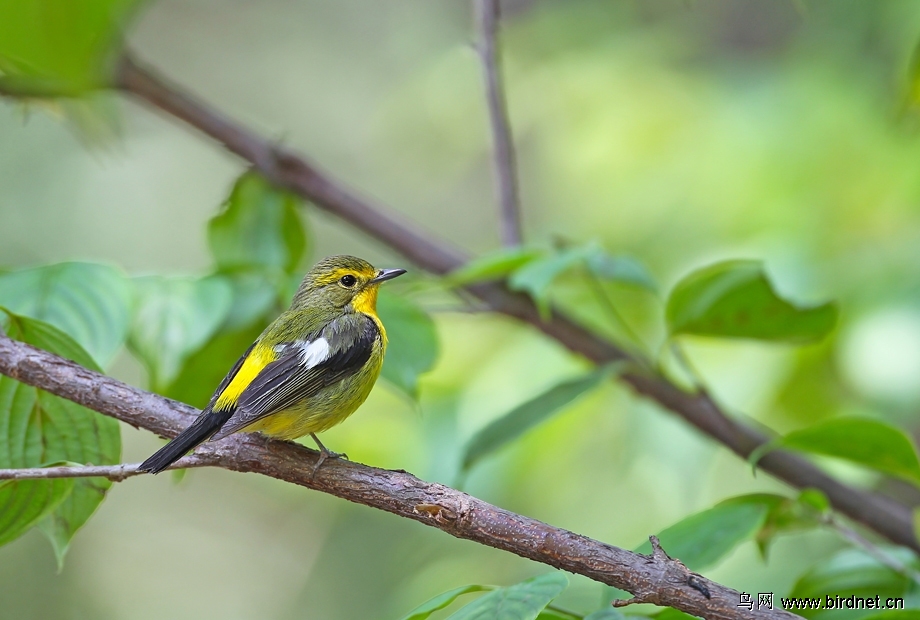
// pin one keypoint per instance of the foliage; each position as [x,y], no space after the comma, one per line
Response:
[413,342]
[176,317]
[533,271]
[599,103]
[43,430]
[871,443]
[734,299]
[852,572]
[516,422]
[259,228]
[523,601]
[57,47]
[91,303]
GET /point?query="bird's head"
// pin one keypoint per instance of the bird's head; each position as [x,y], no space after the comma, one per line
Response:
[342,281]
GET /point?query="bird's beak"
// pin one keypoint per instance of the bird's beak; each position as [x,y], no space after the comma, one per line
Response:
[387,274]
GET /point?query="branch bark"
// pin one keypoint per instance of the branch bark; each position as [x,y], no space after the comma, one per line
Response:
[488,14]
[886,516]
[652,579]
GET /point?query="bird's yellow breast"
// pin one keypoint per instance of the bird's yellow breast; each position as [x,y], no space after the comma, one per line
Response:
[328,407]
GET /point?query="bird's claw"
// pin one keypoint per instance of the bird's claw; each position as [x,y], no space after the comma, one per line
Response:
[323,456]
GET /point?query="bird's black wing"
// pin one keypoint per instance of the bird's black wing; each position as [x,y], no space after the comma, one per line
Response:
[204,426]
[295,376]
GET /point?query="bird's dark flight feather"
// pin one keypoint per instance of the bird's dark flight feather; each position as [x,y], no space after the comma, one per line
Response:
[207,423]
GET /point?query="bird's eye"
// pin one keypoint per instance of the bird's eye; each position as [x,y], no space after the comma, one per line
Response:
[348,280]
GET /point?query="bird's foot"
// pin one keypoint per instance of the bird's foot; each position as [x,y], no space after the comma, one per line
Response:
[324,454]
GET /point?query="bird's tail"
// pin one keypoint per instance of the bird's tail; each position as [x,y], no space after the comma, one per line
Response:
[201,429]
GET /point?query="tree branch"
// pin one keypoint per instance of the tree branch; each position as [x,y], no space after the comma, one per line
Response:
[886,516]
[488,14]
[115,473]
[287,170]
[653,579]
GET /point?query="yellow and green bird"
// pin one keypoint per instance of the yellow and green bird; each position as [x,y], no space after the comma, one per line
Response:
[309,370]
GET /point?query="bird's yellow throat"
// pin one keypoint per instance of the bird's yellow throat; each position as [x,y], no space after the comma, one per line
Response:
[365,302]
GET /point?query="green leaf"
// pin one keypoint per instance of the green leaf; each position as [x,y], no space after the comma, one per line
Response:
[258,227]
[555,614]
[622,269]
[784,514]
[606,614]
[413,342]
[815,500]
[441,601]
[734,299]
[175,317]
[45,336]
[669,613]
[852,572]
[24,503]
[813,389]
[911,91]
[528,414]
[702,539]
[254,299]
[84,437]
[42,428]
[536,276]
[492,266]
[870,443]
[535,273]
[89,302]
[60,47]
[523,601]
[895,614]
[253,306]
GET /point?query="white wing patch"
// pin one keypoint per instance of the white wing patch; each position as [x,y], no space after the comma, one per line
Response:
[314,352]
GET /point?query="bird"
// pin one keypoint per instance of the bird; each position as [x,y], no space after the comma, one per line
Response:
[310,369]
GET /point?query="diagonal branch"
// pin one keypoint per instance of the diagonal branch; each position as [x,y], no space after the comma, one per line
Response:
[886,516]
[287,170]
[488,14]
[653,579]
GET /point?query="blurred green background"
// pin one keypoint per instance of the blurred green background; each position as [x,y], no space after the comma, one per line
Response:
[678,132]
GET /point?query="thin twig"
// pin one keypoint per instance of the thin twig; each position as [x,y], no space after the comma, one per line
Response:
[886,516]
[397,492]
[488,15]
[884,558]
[115,473]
